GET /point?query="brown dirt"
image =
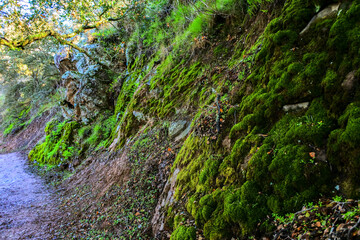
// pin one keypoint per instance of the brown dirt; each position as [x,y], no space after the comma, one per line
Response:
[27,207]
[101,172]
[108,188]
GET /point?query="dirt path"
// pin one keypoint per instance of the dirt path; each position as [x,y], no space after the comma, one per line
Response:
[27,207]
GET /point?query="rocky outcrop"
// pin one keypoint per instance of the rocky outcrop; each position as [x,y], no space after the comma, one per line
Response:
[166,199]
[86,84]
[176,128]
[328,12]
[350,81]
[298,106]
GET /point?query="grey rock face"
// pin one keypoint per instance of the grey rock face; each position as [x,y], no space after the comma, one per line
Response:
[325,13]
[139,116]
[184,133]
[350,81]
[176,128]
[86,84]
[166,199]
[297,106]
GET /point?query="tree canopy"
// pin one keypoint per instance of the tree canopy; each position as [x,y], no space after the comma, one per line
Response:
[26,21]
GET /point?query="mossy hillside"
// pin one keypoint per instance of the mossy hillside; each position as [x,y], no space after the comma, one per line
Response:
[179,84]
[342,144]
[163,107]
[129,84]
[95,136]
[238,190]
[175,84]
[184,233]
[291,138]
[20,116]
[183,89]
[194,178]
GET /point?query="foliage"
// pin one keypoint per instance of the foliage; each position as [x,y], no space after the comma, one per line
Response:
[27,80]
[56,149]
[101,131]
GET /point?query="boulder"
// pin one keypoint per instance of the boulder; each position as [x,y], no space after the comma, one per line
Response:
[86,84]
[350,81]
[176,128]
[139,116]
[328,12]
[298,106]
[184,133]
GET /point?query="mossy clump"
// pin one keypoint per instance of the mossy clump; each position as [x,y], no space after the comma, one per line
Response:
[8,130]
[343,151]
[184,233]
[57,147]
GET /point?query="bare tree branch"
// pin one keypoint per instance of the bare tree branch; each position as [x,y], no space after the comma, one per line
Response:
[22,43]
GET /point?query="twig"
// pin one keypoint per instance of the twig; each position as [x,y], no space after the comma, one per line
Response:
[353,228]
[292,222]
[333,226]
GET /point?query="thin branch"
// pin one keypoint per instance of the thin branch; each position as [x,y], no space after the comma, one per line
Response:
[2,6]
[353,228]
[20,44]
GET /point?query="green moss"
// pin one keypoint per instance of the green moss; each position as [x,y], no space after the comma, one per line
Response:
[184,233]
[231,6]
[100,131]
[127,91]
[8,130]
[210,170]
[16,119]
[286,38]
[57,146]
[312,128]
[331,82]
[216,228]
[295,68]
[343,150]
[197,25]
[84,132]
[246,125]
[338,33]
[296,14]
[351,134]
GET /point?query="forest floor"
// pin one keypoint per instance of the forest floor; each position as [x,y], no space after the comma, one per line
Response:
[28,208]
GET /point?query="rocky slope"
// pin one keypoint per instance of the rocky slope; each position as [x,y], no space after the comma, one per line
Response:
[209,120]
